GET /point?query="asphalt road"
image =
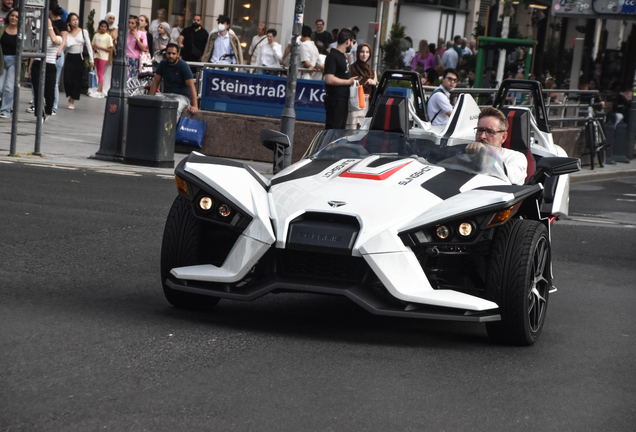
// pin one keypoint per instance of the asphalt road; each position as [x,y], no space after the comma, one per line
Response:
[88,342]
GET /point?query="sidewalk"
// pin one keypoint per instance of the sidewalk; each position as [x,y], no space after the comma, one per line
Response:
[70,137]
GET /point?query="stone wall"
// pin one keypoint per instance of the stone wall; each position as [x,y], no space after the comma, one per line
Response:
[236,136]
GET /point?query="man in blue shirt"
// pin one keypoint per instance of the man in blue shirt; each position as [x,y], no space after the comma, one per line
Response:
[178,82]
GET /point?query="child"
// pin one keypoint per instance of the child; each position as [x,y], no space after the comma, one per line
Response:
[103,44]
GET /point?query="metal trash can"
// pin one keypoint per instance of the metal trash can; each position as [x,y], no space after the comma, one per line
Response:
[152,126]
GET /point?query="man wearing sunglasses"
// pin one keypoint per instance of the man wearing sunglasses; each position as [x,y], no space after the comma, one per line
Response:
[439,106]
[491,132]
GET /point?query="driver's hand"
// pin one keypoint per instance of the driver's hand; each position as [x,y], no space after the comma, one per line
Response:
[474,147]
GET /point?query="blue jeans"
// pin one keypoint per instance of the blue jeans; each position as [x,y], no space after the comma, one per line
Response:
[59,64]
[7,83]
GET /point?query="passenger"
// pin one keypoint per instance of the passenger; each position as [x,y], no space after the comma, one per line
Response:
[439,107]
[492,131]
[178,82]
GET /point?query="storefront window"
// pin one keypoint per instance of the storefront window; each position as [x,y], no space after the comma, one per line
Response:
[187,8]
[246,15]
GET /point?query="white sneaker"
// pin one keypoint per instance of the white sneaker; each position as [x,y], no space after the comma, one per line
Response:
[101,95]
[5,116]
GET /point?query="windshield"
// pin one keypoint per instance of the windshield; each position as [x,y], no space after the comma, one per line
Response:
[358,144]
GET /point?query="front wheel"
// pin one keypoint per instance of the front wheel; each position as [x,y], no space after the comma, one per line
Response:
[519,280]
[181,247]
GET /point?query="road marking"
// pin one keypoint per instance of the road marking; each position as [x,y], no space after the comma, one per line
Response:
[594,221]
[634,195]
[6,162]
[165,176]
[119,172]
[628,200]
[51,166]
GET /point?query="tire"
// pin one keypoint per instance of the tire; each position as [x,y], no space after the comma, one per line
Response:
[181,246]
[590,141]
[519,280]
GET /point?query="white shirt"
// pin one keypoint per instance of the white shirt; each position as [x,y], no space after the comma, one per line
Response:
[353,54]
[154,25]
[75,44]
[175,33]
[222,47]
[309,52]
[51,49]
[409,55]
[270,55]
[516,165]
[255,47]
[439,102]
[450,58]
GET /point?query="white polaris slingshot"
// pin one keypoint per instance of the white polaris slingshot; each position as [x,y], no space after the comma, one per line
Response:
[395,216]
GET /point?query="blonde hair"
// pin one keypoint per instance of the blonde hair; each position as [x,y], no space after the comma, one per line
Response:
[147,22]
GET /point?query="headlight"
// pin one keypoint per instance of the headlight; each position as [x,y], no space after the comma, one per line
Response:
[442,232]
[465,229]
[206,203]
[224,210]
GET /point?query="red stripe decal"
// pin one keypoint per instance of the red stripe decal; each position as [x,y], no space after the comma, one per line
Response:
[385,175]
[511,116]
[387,115]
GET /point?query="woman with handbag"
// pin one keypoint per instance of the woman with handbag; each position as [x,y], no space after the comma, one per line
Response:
[367,78]
[79,48]
[145,60]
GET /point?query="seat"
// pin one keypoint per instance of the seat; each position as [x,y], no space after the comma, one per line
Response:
[519,134]
[391,114]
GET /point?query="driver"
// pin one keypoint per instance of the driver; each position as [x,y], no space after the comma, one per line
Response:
[492,131]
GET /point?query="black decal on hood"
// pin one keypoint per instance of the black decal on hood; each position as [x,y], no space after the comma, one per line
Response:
[447,184]
[312,168]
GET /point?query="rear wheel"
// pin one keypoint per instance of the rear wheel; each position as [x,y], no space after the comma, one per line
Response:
[181,246]
[519,280]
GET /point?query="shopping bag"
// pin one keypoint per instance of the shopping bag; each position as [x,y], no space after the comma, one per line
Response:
[92,79]
[356,97]
[190,132]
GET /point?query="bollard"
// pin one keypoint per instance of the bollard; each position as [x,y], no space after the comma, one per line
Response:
[620,143]
[610,138]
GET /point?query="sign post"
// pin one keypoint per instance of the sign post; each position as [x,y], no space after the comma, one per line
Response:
[288,117]
[32,33]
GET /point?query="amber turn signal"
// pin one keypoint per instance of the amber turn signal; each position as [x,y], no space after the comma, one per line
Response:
[503,215]
[182,186]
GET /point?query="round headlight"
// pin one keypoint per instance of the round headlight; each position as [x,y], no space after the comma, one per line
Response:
[206,203]
[224,210]
[465,229]
[442,232]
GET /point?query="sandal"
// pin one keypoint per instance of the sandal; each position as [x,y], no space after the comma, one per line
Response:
[71,106]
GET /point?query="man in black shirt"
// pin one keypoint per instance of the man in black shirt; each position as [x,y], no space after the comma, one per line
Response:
[321,38]
[178,83]
[337,82]
[192,40]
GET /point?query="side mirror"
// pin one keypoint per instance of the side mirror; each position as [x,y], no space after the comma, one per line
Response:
[555,166]
[272,139]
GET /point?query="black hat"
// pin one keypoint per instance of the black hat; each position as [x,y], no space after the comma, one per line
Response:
[223,19]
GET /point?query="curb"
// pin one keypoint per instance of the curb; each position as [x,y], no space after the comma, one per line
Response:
[602,175]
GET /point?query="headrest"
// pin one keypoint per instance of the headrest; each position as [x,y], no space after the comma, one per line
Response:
[391,114]
[518,129]
[519,134]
